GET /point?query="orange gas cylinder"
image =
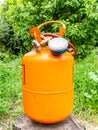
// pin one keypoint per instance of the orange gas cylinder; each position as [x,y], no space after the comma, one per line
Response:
[48,85]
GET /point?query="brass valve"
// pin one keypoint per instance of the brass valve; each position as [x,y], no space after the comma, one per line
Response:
[45,40]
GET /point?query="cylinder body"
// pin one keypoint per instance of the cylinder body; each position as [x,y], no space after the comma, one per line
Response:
[48,87]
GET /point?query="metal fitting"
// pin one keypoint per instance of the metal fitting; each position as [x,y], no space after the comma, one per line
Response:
[36,45]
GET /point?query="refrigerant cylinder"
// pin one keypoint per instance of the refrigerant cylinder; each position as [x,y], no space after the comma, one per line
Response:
[48,81]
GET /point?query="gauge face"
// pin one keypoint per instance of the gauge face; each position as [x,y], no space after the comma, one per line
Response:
[58,44]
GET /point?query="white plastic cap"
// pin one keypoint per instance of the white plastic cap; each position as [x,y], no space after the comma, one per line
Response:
[58,44]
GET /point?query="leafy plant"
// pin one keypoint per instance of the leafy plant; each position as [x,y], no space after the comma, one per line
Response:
[80,18]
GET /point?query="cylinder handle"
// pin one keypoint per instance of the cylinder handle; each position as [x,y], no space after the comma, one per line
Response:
[37,34]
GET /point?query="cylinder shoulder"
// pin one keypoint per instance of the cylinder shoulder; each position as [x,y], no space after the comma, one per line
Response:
[46,55]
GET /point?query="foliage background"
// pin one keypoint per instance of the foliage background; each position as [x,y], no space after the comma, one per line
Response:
[18,16]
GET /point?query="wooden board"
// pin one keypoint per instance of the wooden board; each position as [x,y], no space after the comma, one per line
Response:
[25,123]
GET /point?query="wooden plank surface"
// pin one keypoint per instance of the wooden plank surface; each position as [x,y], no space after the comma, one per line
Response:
[25,123]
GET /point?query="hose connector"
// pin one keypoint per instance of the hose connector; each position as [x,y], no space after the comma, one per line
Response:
[36,45]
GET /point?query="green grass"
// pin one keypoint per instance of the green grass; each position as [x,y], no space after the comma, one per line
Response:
[10,91]
[86,89]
